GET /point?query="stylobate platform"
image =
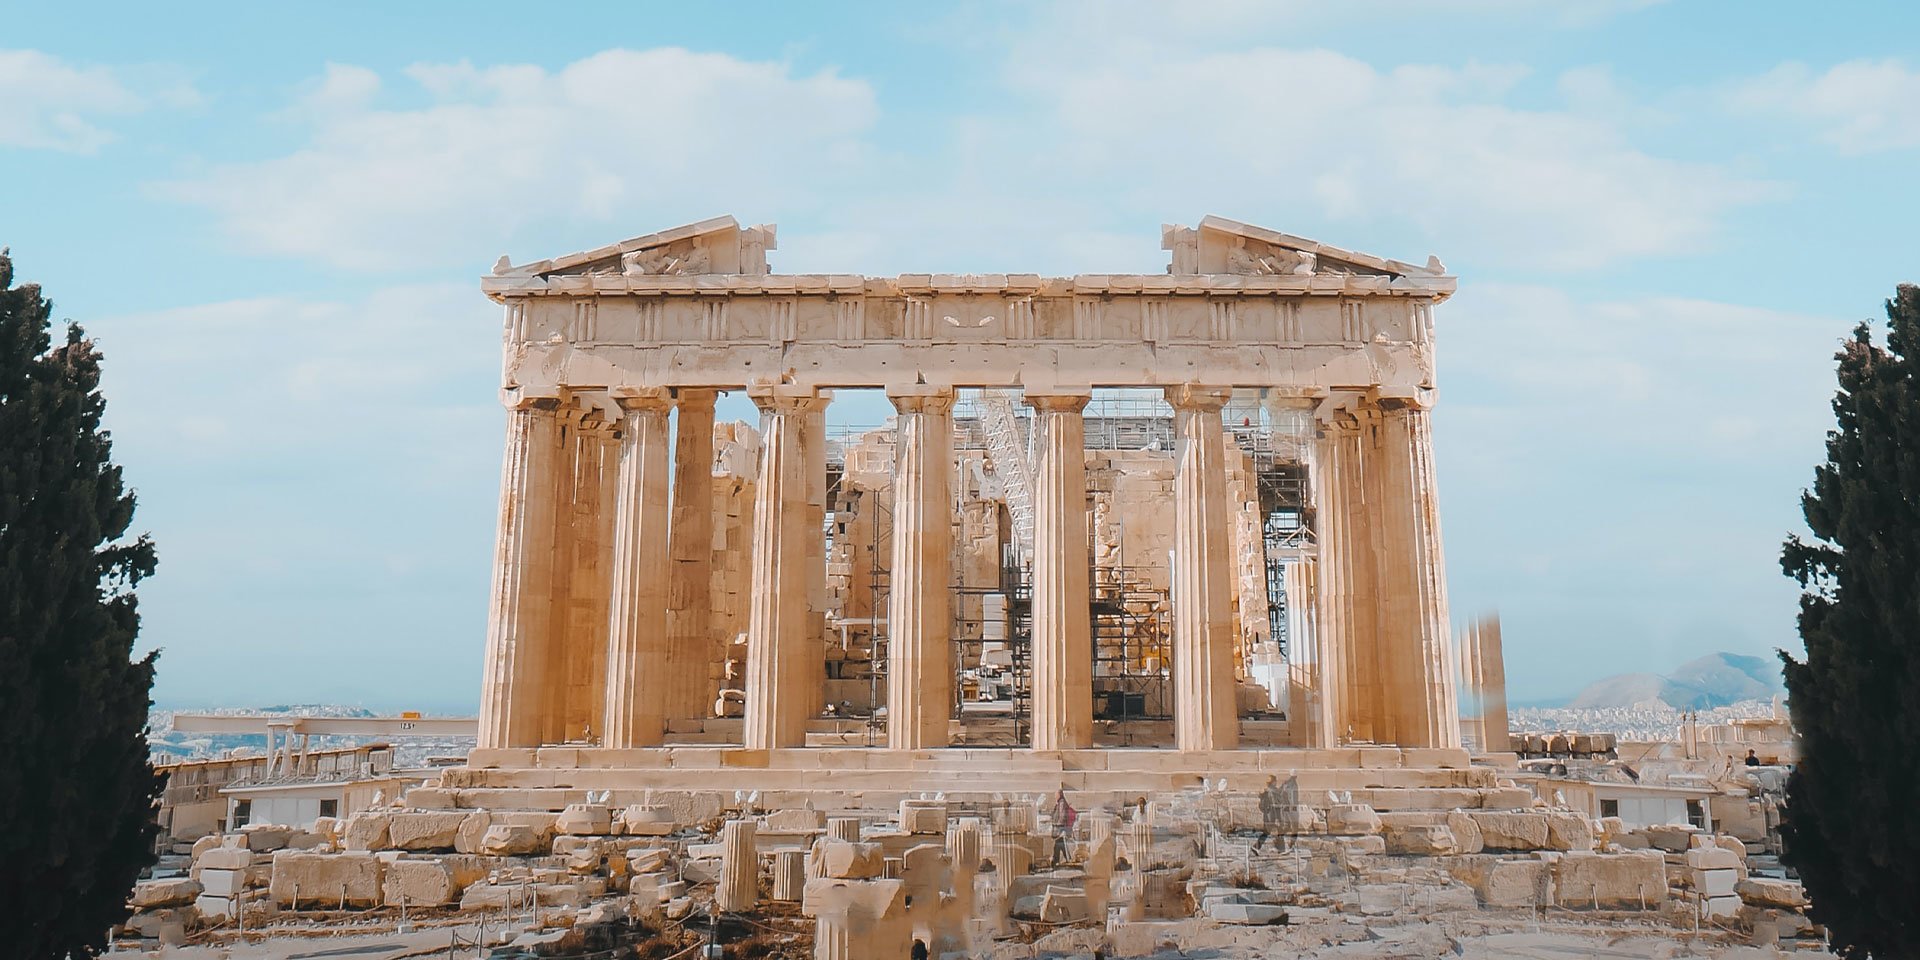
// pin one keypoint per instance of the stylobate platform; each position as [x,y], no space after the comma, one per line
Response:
[848,778]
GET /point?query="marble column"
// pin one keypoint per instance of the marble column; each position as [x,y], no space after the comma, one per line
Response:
[693,654]
[1333,601]
[1308,722]
[789,874]
[1418,707]
[776,614]
[813,437]
[919,618]
[739,886]
[1205,714]
[583,548]
[637,679]
[1062,631]
[512,701]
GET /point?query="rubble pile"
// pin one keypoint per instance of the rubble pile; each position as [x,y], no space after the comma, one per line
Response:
[960,878]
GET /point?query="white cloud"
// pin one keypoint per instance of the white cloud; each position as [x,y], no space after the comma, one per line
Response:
[676,134]
[1860,106]
[49,104]
[1442,149]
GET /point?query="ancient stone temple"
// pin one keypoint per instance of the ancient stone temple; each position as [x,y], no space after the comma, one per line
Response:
[665,581]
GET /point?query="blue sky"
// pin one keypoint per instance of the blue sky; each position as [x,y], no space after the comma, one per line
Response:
[1663,216]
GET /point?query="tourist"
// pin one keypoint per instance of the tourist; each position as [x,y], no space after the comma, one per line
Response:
[1752,760]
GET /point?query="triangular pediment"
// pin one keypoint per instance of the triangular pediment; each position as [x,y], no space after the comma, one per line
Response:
[1222,246]
[714,246]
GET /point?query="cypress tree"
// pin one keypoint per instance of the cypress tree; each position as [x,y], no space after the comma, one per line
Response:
[1849,826]
[76,790]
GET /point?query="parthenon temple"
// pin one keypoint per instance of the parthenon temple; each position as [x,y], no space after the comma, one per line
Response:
[1190,511]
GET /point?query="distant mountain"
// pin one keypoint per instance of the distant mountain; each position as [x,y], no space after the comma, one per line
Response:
[1714,680]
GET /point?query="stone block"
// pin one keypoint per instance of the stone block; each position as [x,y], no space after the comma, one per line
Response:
[1717,908]
[923,817]
[646,820]
[328,827]
[419,883]
[1352,819]
[1506,798]
[1511,831]
[367,831]
[1569,832]
[209,842]
[266,838]
[1512,883]
[1364,846]
[425,830]
[223,883]
[173,892]
[1254,914]
[1765,892]
[1419,840]
[324,880]
[473,832]
[512,840]
[1712,858]
[647,859]
[1466,833]
[224,858]
[1715,883]
[432,798]
[585,819]
[1673,838]
[1611,881]
[851,861]
[215,908]
[794,820]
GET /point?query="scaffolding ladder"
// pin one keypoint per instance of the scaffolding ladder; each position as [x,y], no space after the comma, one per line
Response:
[1009,453]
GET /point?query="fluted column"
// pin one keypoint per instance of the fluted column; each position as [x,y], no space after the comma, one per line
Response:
[512,701]
[1205,715]
[919,621]
[1334,522]
[693,655]
[776,614]
[1062,633]
[813,439]
[637,679]
[1348,571]
[1417,695]
[739,886]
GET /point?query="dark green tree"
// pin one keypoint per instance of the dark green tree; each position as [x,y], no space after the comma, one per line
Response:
[76,791]
[1856,700]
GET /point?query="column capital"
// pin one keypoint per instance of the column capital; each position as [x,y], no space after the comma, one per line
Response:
[691,397]
[1057,401]
[1194,397]
[648,399]
[782,398]
[921,398]
[1401,398]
